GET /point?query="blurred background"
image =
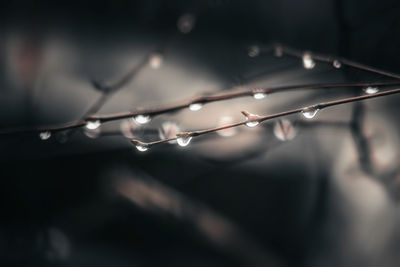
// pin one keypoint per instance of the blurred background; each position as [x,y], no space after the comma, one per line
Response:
[291,192]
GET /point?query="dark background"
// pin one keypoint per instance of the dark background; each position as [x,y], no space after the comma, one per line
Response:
[58,206]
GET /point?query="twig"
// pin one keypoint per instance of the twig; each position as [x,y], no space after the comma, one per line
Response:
[255,119]
[331,59]
[201,100]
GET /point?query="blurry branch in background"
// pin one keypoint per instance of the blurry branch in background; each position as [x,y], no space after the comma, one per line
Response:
[152,196]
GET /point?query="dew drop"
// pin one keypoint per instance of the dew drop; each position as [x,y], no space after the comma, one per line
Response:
[309,113]
[183,139]
[155,60]
[186,23]
[254,51]
[308,61]
[142,119]
[371,90]
[195,106]
[251,118]
[93,124]
[259,96]
[45,135]
[252,124]
[140,145]
[224,120]
[337,64]
[142,148]
[284,130]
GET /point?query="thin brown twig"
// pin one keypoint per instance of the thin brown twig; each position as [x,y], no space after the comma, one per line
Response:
[260,119]
[202,100]
[331,59]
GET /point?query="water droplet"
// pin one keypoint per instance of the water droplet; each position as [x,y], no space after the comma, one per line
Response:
[308,61]
[259,96]
[278,51]
[371,90]
[195,106]
[284,130]
[186,23]
[92,133]
[251,118]
[142,148]
[183,139]
[142,119]
[127,128]
[155,60]
[224,120]
[254,51]
[337,64]
[93,124]
[169,130]
[140,145]
[310,113]
[252,124]
[45,135]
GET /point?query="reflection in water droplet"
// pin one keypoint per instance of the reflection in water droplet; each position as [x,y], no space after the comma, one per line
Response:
[169,130]
[226,132]
[371,90]
[127,128]
[259,96]
[183,139]
[254,51]
[308,61]
[195,106]
[337,64]
[309,113]
[284,130]
[45,135]
[186,23]
[92,133]
[252,124]
[142,119]
[93,124]
[155,60]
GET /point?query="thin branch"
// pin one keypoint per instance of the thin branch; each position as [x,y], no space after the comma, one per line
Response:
[202,100]
[331,59]
[231,95]
[251,118]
